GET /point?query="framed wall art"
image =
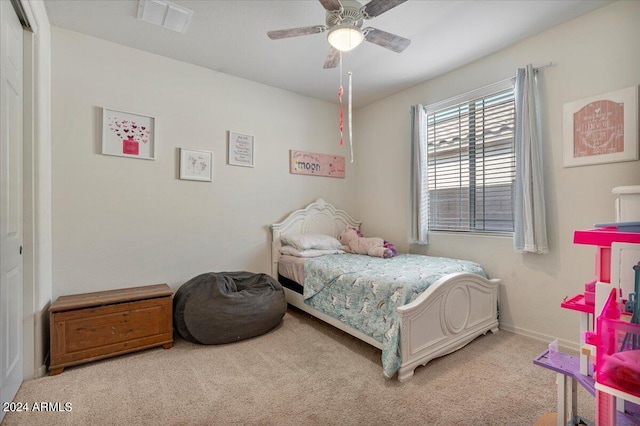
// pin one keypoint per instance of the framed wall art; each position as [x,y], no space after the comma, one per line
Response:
[601,129]
[196,165]
[313,164]
[127,134]
[240,150]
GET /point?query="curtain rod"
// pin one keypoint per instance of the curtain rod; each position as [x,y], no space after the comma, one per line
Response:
[512,79]
[543,66]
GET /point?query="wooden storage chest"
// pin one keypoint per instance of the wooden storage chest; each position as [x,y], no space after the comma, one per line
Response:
[91,326]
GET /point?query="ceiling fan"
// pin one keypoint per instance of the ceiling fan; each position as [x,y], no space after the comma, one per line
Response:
[344,25]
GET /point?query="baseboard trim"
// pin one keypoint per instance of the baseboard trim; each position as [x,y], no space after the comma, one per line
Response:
[40,372]
[564,344]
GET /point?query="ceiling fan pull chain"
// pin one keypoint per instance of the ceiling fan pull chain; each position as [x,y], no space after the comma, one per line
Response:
[341,114]
[350,122]
[340,91]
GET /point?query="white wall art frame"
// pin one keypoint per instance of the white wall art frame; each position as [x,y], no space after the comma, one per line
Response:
[196,165]
[601,129]
[127,134]
[240,150]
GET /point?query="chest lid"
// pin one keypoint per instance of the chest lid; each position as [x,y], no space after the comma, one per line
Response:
[109,297]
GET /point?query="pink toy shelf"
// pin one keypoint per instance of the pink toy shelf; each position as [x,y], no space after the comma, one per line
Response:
[618,349]
[579,303]
[614,339]
[603,237]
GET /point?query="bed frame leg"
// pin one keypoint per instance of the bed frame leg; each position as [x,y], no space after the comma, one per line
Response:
[495,330]
[405,374]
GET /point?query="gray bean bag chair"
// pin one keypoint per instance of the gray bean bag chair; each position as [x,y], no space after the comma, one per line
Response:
[224,307]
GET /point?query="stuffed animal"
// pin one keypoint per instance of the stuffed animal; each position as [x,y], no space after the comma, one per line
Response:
[354,242]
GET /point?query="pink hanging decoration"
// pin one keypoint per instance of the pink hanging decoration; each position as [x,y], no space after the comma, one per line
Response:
[340,91]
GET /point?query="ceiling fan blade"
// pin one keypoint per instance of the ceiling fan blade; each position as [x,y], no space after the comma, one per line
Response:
[378,7]
[385,39]
[332,58]
[331,5]
[295,32]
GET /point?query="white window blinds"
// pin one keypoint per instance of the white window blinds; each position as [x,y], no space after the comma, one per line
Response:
[471,163]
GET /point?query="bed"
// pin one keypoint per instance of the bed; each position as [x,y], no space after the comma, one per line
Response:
[430,320]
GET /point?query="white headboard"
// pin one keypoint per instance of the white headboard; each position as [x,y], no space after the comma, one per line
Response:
[318,217]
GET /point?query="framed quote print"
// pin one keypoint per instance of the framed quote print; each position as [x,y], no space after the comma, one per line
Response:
[240,150]
[601,129]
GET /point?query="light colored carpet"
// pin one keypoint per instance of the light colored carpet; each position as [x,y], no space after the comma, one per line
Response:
[302,373]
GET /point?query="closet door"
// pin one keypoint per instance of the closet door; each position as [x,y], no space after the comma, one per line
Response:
[11,283]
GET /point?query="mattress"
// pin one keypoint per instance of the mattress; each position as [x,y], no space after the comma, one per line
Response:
[292,267]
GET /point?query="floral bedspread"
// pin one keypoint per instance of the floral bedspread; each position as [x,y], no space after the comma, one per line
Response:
[364,292]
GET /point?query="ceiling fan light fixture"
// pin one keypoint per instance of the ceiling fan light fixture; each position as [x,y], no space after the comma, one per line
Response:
[345,37]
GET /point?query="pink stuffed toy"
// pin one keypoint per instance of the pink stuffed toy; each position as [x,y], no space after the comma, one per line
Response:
[354,242]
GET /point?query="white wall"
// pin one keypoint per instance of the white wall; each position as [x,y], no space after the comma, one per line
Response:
[594,54]
[121,222]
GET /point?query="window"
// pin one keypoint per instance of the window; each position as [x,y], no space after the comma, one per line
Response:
[471,161]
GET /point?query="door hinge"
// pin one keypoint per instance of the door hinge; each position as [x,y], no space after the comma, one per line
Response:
[20,249]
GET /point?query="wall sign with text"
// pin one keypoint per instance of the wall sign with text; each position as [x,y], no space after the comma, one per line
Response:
[311,163]
[601,129]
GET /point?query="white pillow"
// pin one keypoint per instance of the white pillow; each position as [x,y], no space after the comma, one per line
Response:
[311,241]
[292,251]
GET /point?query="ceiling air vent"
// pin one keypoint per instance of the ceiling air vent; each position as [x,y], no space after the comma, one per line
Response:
[165,14]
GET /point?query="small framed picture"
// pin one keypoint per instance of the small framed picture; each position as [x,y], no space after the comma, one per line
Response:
[601,129]
[240,150]
[127,134]
[196,165]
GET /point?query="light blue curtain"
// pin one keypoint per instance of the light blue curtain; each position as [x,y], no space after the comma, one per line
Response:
[419,188]
[529,221]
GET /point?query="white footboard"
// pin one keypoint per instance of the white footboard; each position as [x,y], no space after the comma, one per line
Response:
[449,314]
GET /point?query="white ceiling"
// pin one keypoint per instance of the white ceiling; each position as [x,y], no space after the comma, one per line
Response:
[230,37]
